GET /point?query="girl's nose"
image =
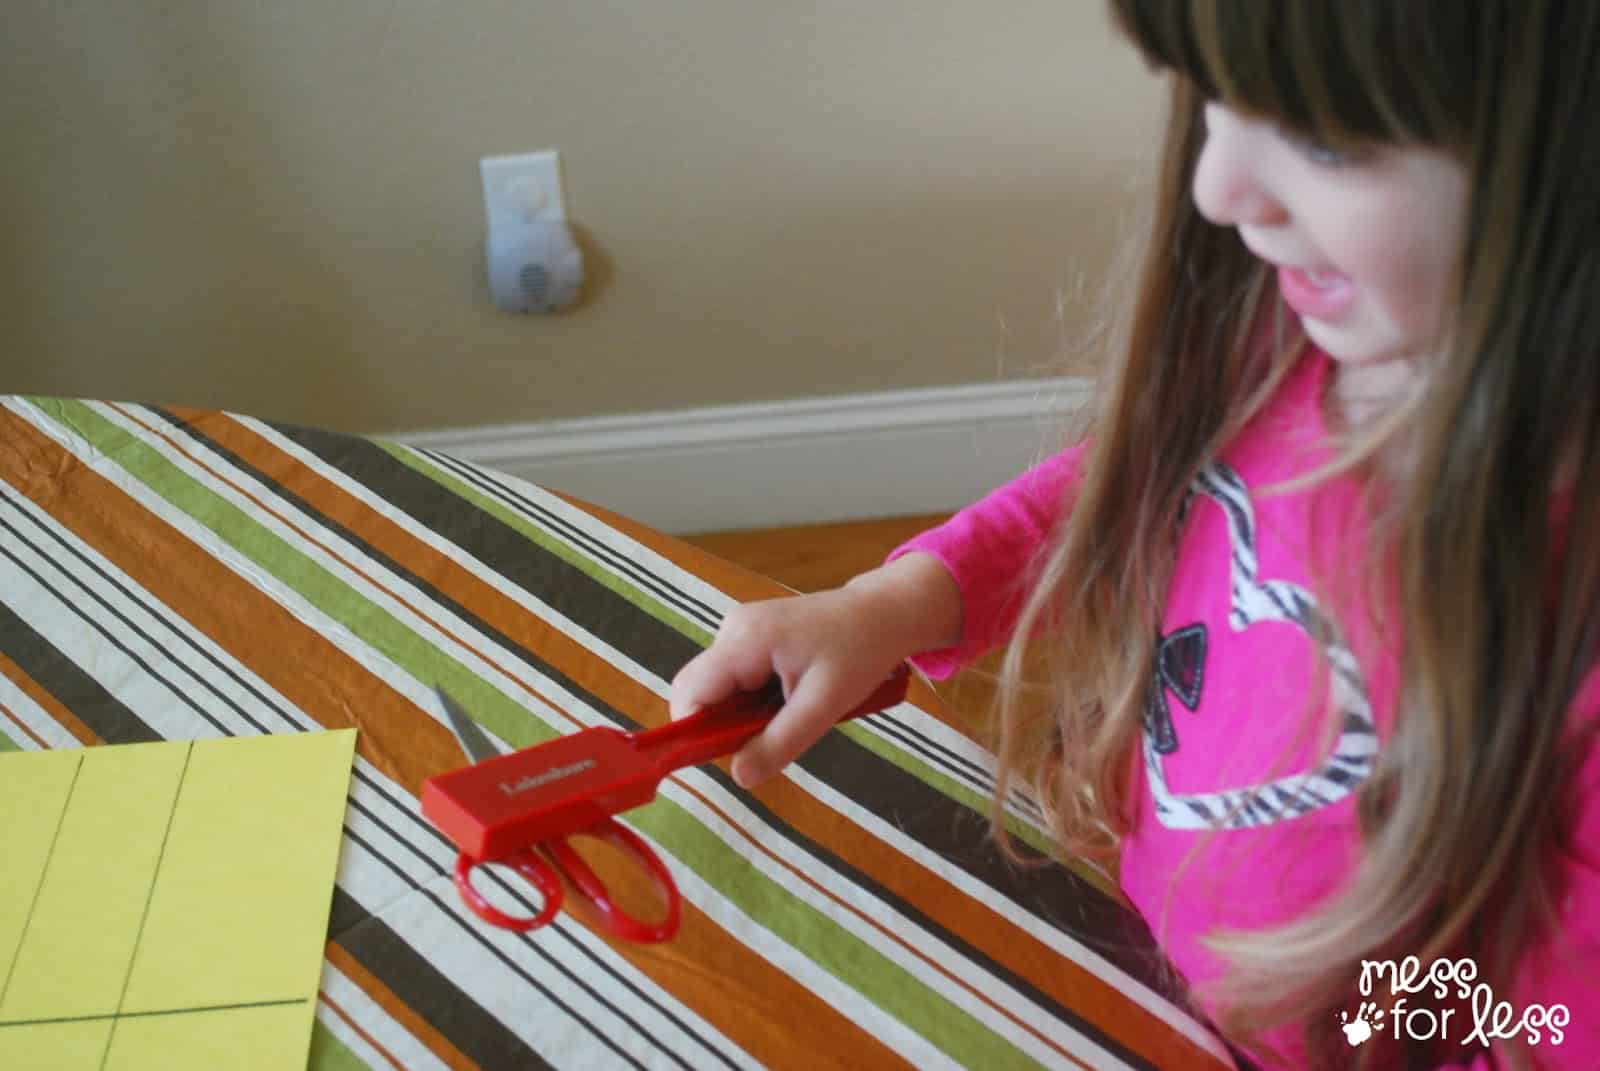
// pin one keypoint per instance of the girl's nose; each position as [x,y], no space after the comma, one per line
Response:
[1229,187]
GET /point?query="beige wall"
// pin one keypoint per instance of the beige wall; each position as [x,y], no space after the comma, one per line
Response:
[275,207]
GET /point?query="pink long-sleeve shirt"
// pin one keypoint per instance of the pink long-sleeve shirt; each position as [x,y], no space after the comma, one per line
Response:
[1245,816]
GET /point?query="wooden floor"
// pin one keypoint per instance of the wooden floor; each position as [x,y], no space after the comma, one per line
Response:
[814,557]
[818,556]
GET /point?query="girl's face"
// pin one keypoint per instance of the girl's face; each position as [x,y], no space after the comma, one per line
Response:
[1365,244]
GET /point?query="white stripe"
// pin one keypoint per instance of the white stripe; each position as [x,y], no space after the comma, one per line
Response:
[373,660]
[373,1021]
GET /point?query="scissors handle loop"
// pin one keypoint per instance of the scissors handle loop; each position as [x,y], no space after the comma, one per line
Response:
[531,867]
[544,865]
[588,885]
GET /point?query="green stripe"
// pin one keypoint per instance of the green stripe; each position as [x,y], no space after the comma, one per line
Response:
[837,950]
[8,744]
[328,1053]
[560,548]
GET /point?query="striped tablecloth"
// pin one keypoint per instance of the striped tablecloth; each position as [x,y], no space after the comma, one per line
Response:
[176,574]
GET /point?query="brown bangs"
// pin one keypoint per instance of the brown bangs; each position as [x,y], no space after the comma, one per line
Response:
[1339,70]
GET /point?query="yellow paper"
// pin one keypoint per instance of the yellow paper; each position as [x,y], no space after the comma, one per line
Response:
[166,905]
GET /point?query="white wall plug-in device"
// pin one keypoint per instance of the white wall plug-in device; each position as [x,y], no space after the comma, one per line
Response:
[534,264]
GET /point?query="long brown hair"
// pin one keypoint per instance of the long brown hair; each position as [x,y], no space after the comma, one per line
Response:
[1490,511]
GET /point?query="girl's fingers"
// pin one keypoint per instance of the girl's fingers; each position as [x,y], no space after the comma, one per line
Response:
[813,643]
[717,672]
[817,700]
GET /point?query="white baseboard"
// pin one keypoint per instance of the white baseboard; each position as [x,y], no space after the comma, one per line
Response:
[811,461]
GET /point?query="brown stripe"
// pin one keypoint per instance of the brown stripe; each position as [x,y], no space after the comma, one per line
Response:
[52,706]
[396,737]
[384,997]
[101,714]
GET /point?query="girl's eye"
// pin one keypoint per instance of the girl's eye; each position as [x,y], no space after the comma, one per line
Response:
[1324,155]
[1321,153]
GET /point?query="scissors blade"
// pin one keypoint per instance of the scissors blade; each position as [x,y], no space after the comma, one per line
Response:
[477,746]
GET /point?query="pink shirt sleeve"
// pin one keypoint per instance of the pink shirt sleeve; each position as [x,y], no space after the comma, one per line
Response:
[987,548]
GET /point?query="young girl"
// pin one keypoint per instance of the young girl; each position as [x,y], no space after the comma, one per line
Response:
[1319,593]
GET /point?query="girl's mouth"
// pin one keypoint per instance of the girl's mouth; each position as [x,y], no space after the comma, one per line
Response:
[1319,295]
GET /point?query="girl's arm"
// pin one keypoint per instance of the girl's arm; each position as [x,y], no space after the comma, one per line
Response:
[945,597]
[987,549]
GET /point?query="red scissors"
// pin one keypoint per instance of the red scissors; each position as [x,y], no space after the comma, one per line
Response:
[518,809]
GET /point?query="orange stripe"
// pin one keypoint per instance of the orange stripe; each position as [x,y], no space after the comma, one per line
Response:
[319,678]
[52,706]
[356,1028]
[13,719]
[398,1009]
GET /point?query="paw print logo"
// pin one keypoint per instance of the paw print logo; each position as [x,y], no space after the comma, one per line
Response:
[1359,1030]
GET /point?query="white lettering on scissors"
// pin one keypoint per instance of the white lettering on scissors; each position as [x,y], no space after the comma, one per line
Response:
[555,773]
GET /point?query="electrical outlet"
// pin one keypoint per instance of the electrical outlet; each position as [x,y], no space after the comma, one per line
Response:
[522,188]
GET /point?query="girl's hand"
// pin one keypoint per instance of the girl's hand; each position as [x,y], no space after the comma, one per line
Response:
[829,649]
